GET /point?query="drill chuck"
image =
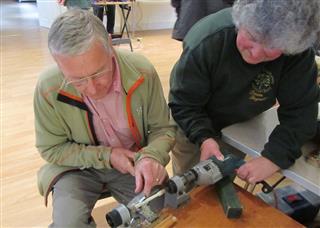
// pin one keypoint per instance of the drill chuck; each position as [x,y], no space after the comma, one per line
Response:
[172,187]
[177,184]
[118,216]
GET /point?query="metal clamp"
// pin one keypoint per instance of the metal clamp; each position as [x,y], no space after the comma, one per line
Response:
[266,188]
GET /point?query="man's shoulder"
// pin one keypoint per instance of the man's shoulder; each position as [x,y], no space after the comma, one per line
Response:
[299,60]
[134,58]
[135,61]
[51,74]
[50,78]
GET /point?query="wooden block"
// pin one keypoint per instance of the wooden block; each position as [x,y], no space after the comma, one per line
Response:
[228,198]
[165,221]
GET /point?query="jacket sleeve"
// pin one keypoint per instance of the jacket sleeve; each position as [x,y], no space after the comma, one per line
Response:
[297,96]
[161,130]
[190,90]
[176,3]
[54,140]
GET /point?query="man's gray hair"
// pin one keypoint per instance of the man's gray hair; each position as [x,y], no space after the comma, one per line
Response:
[74,31]
[289,25]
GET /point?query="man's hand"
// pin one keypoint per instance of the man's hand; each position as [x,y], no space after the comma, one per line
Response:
[122,160]
[257,169]
[149,173]
[208,148]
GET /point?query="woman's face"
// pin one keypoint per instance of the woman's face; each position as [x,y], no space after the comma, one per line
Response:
[253,52]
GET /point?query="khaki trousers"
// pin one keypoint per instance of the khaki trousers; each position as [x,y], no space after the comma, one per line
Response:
[76,192]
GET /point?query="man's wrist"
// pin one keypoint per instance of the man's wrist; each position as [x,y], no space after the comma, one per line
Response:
[204,135]
[139,156]
[201,140]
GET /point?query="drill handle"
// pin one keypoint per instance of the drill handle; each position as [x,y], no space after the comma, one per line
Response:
[239,163]
[229,164]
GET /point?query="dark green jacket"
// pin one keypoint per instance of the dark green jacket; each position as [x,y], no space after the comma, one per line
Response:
[213,87]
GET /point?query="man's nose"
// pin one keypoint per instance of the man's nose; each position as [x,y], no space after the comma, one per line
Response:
[256,52]
[91,87]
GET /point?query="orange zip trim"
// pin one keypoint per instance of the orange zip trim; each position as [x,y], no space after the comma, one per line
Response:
[132,124]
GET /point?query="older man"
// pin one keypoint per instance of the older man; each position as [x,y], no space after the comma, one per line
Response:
[235,65]
[102,122]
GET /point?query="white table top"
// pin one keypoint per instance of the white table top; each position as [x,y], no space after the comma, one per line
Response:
[250,137]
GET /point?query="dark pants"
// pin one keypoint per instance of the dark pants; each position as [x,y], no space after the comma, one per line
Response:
[110,12]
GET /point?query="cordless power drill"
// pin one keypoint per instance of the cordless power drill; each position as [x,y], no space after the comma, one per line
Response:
[206,172]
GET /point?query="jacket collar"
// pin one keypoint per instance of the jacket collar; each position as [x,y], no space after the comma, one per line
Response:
[127,69]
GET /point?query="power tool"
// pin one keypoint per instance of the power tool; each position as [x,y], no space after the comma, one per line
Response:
[206,172]
[142,210]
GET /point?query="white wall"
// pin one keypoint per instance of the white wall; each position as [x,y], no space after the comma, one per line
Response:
[146,14]
[48,11]
[153,14]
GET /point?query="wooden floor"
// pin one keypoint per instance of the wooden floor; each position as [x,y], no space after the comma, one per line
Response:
[24,55]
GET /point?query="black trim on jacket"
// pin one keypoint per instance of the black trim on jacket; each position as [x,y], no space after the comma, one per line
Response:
[83,106]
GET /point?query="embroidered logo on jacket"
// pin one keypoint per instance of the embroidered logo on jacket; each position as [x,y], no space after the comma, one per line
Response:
[261,85]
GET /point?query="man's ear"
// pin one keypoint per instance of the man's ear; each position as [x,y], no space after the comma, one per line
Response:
[109,40]
[56,59]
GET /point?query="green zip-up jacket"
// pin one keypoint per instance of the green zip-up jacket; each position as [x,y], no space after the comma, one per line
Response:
[213,87]
[65,135]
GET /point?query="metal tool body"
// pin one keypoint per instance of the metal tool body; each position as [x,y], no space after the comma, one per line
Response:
[140,211]
[205,173]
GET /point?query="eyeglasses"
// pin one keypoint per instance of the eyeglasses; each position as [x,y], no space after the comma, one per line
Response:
[83,81]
